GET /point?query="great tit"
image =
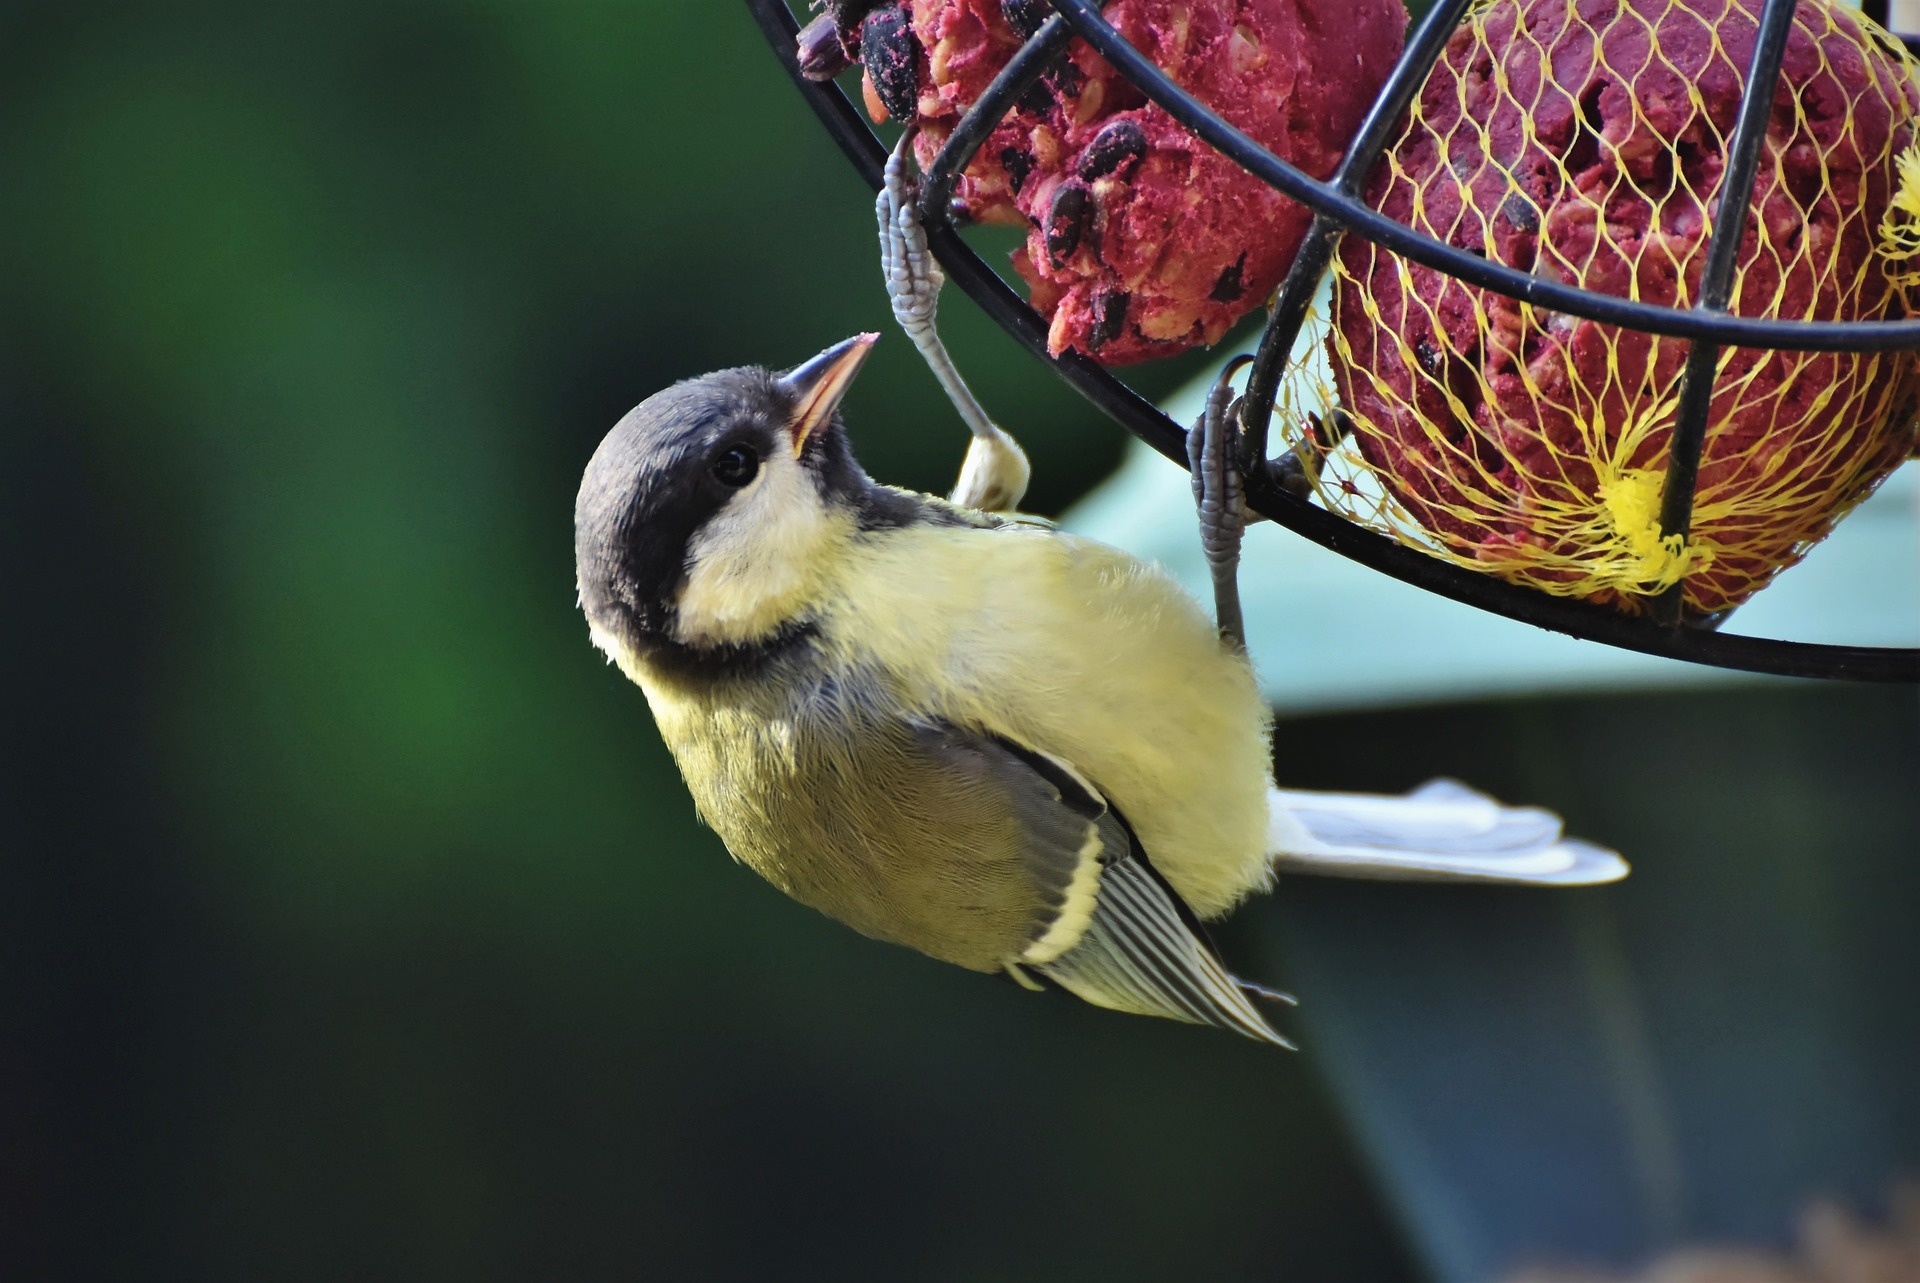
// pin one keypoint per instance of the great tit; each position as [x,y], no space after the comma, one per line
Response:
[1006,746]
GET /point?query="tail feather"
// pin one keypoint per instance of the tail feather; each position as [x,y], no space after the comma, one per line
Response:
[1443,831]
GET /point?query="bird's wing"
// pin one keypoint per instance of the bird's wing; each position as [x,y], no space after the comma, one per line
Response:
[1141,954]
[1443,831]
[1060,833]
[1119,937]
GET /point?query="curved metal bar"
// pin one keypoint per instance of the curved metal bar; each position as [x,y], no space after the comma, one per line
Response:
[964,268]
[1716,287]
[1685,323]
[1579,618]
[1316,250]
[844,123]
[1018,76]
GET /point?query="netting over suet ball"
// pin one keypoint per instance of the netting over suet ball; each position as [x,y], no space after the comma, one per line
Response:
[1585,141]
[1143,241]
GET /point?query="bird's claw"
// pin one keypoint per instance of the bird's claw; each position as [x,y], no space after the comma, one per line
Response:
[913,275]
[1219,493]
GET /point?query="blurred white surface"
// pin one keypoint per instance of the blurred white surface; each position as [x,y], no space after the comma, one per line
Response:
[1327,633]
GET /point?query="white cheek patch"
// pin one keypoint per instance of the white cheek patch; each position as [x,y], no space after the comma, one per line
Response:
[752,567]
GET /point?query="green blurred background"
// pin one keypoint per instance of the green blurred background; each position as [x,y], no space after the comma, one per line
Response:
[355,922]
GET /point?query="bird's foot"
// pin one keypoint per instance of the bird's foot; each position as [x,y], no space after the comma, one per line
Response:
[1220,495]
[913,275]
[995,474]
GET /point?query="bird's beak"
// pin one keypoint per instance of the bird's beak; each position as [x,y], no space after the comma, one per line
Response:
[818,385]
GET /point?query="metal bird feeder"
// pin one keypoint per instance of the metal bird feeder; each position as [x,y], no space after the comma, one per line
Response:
[1337,209]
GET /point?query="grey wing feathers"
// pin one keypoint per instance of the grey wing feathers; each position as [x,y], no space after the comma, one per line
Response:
[1440,832]
[1139,955]
[1058,819]
[1136,951]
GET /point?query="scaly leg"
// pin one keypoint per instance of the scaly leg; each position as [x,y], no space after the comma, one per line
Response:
[1220,495]
[995,474]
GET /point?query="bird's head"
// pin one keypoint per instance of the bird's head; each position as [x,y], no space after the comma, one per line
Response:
[709,514]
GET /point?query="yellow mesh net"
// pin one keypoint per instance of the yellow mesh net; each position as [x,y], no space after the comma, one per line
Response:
[1584,141]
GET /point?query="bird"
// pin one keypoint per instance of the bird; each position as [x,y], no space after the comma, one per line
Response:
[966,731]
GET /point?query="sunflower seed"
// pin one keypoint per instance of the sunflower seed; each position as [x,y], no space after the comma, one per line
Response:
[1230,286]
[1067,220]
[891,53]
[1521,213]
[1120,144]
[1109,318]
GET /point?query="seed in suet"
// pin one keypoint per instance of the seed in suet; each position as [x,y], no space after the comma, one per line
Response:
[891,54]
[1173,224]
[1116,147]
[1067,220]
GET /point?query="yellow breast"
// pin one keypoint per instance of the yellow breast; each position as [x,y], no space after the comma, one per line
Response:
[1054,642]
[1079,650]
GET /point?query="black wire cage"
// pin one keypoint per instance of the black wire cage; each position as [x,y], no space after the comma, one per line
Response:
[1337,209]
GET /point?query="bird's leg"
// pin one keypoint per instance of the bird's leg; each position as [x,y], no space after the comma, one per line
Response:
[1220,495]
[995,473]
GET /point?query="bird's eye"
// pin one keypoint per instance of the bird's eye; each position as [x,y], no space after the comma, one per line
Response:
[736,466]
